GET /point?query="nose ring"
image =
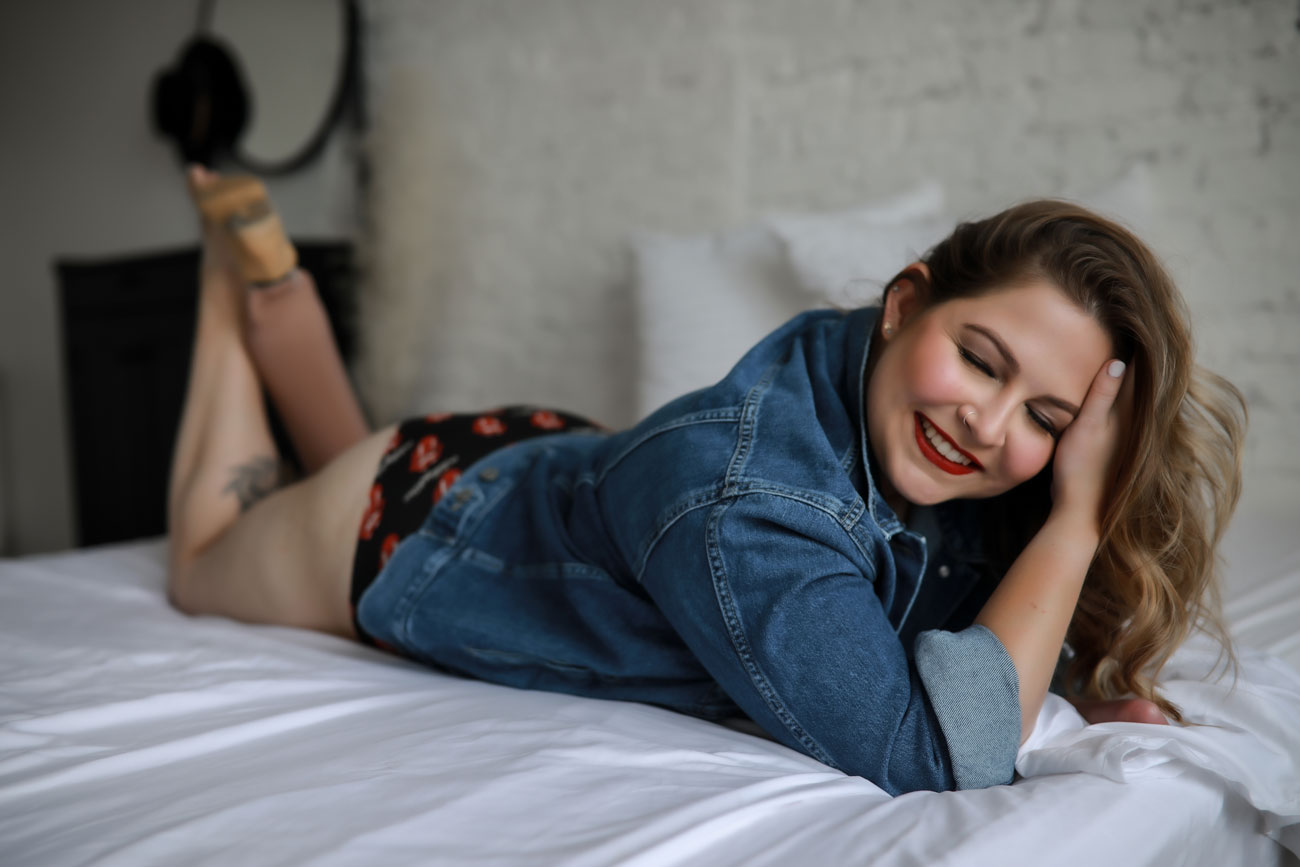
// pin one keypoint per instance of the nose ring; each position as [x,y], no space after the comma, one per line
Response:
[966,419]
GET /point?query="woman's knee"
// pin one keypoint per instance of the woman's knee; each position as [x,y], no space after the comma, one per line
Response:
[180,581]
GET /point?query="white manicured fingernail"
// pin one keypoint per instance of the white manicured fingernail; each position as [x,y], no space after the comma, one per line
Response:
[1116,369]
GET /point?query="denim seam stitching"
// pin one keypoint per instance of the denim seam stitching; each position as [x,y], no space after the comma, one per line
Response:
[457,542]
[916,591]
[712,416]
[740,643]
[845,518]
[405,607]
[798,496]
[748,428]
[665,523]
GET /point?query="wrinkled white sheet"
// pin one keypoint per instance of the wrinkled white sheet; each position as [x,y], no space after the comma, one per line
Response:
[132,735]
[1244,734]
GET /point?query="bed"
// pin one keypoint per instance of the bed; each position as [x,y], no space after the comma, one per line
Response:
[737,162]
[131,734]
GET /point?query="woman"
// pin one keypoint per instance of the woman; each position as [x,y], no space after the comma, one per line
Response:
[872,537]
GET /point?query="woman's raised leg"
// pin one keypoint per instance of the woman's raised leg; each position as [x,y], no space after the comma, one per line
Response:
[288,336]
[241,546]
[286,329]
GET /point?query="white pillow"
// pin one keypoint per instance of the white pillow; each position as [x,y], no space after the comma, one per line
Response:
[834,254]
[702,301]
[846,259]
[839,256]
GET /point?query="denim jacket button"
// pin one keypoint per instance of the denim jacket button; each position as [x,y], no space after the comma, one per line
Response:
[944,571]
[490,474]
[463,495]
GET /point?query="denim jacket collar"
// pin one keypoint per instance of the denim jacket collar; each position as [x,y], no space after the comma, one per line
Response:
[958,519]
[881,512]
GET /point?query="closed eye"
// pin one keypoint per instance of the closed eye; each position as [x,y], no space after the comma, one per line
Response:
[981,365]
[1042,421]
[975,361]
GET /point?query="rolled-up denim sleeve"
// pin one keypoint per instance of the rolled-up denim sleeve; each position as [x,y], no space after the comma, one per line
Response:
[769,599]
[975,691]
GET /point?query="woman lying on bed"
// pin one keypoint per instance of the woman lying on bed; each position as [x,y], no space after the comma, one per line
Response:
[873,537]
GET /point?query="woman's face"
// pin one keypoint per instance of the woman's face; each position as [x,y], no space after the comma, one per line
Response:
[968,397]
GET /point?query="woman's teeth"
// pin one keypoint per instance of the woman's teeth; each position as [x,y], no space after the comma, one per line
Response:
[941,445]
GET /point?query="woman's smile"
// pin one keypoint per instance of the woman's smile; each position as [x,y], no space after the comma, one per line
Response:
[942,451]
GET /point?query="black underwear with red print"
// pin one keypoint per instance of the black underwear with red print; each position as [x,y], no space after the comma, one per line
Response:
[423,460]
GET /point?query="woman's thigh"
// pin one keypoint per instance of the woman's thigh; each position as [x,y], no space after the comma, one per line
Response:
[288,559]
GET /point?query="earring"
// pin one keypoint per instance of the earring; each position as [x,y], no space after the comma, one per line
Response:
[889,329]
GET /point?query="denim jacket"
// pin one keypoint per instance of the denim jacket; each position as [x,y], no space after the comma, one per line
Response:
[729,553]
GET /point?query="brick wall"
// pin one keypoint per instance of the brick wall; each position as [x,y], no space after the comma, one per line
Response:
[517,143]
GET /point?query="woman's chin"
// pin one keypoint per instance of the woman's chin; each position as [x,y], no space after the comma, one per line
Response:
[922,492]
[919,489]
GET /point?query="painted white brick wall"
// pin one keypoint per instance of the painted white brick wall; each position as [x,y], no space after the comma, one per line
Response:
[518,143]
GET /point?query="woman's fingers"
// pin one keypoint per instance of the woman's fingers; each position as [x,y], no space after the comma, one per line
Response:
[1094,417]
[1103,392]
[1086,450]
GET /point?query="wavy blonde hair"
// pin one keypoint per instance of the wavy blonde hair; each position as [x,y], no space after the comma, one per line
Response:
[1178,479]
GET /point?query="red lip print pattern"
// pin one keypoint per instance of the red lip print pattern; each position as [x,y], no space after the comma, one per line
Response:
[374,512]
[489,426]
[386,550]
[546,420]
[426,453]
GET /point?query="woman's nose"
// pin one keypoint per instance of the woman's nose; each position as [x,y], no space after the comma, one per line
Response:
[987,422]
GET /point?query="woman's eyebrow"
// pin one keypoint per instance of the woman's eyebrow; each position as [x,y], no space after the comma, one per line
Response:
[998,344]
[1011,362]
[1063,404]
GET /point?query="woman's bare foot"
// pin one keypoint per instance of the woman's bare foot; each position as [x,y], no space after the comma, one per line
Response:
[1137,710]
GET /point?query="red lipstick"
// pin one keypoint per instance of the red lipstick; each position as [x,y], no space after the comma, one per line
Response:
[933,455]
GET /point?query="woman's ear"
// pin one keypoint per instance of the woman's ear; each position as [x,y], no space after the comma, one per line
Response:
[905,298]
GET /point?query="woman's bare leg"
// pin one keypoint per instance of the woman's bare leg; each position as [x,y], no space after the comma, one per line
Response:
[239,546]
[286,328]
[224,459]
[289,340]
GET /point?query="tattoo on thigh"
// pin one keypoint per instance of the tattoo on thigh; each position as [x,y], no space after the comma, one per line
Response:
[254,480]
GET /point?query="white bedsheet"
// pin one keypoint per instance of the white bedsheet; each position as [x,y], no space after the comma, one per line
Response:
[130,734]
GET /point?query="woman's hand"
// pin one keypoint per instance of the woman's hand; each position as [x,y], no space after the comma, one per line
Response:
[1085,456]
[1031,608]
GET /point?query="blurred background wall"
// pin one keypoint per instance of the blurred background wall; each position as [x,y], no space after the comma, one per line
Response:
[83,175]
[671,115]
[515,147]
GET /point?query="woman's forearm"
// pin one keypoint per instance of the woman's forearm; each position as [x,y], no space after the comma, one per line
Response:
[1031,608]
